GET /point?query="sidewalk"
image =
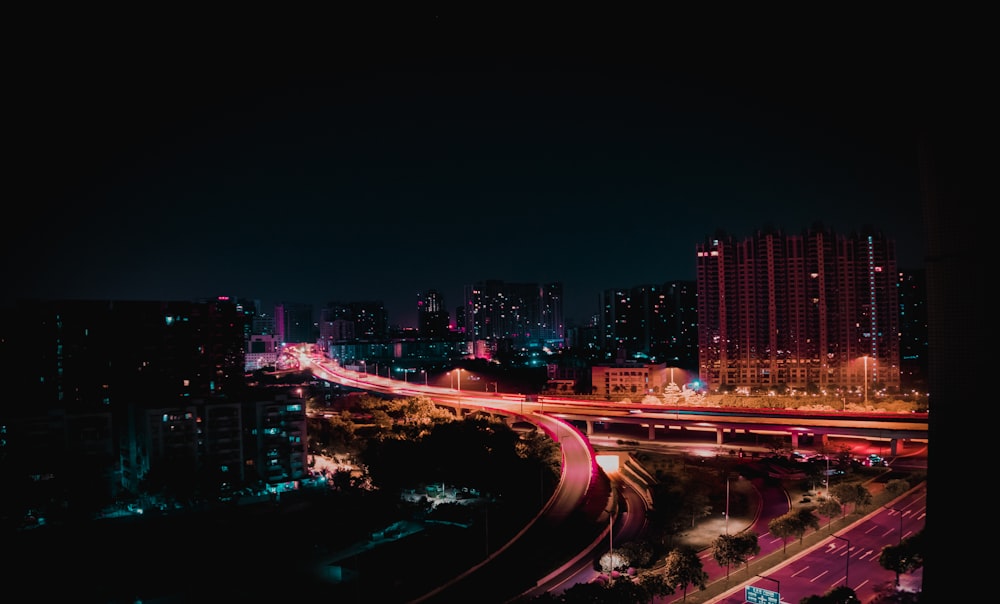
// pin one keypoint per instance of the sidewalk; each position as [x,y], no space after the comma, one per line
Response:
[707,530]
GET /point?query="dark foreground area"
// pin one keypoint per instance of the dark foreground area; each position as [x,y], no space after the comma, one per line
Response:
[294,548]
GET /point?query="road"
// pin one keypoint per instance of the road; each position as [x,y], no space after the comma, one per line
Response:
[847,556]
[802,574]
[568,523]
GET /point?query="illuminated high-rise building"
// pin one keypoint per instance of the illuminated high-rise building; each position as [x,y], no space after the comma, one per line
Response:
[518,315]
[811,310]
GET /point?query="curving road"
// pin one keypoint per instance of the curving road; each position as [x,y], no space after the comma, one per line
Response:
[576,517]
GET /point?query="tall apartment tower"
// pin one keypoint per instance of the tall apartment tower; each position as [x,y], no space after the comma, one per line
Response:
[432,317]
[294,323]
[522,315]
[913,330]
[652,321]
[811,310]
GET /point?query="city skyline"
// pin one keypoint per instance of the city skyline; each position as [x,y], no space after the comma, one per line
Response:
[379,172]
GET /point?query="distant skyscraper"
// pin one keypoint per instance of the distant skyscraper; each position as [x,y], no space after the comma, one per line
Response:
[371,322]
[294,323]
[816,309]
[520,315]
[432,318]
[652,321]
[913,330]
[86,355]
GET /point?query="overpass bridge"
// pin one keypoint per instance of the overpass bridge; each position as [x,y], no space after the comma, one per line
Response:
[657,419]
[895,428]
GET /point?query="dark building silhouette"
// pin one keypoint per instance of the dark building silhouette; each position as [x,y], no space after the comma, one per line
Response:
[913,330]
[295,323]
[432,317]
[115,394]
[652,322]
[958,311]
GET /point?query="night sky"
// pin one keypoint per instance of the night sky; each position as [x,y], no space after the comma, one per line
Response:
[373,163]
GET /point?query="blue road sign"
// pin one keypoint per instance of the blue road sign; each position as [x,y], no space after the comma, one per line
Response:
[757,595]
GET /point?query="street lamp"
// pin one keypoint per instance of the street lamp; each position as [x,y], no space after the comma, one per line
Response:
[847,565]
[424,371]
[777,587]
[727,503]
[611,545]
[866,378]
[459,381]
[900,512]
[827,481]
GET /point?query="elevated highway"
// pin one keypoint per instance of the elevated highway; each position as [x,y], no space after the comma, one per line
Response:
[658,420]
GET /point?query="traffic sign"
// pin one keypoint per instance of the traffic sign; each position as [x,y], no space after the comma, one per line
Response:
[757,595]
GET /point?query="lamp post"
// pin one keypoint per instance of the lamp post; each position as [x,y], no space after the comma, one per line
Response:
[727,503]
[866,378]
[611,545]
[847,565]
[826,482]
[900,512]
[424,371]
[777,586]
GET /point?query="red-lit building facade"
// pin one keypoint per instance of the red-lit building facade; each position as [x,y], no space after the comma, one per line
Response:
[811,311]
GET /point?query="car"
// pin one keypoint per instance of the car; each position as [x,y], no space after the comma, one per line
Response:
[873,460]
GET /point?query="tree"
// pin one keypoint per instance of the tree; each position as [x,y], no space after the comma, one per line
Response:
[725,550]
[783,527]
[654,585]
[862,496]
[637,553]
[750,546]
[829,508]
[897,486]
[906,557]
[838,595]
[735,549]
[806,519]
[696,501]
[851,492]
[683,568]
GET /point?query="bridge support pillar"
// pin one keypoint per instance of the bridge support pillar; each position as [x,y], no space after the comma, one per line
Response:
[824,441]
[652,432]
[590,428]
[895,446]
[720,436]
[795,440]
